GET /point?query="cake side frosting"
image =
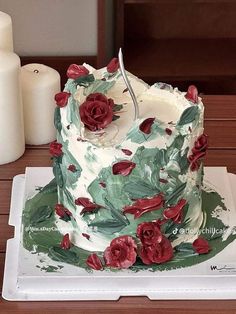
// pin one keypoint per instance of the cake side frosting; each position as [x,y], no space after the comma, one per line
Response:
[131,175]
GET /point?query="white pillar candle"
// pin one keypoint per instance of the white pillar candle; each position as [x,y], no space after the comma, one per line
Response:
[6,40]
[40,83]
[12,140]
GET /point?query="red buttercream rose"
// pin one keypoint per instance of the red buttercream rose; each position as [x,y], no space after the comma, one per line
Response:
[121,253]
[198,152]
[96,112]
[94,262]
[194,160]
[144,205]
[75,71]
[62,99]
[113,65]
[157,253]
[201,246]
[201,144]
[149,233]
[55,149]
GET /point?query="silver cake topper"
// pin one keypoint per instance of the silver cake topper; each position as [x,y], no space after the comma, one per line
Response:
[130,89]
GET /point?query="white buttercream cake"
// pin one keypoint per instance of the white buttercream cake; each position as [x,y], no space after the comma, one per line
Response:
[126,184]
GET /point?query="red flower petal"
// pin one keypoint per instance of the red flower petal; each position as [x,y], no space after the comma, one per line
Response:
[72,168]
[127,152]
[62,211]
[89,207]
[163,180]
[168,131]
[65,243]
[144,205]
[62,99]
[175,212]
[75,71]
[87,236]
[192,94]
[201,246]
[123,167]
[103,184]
[113,65]
[146,125]
[94,262]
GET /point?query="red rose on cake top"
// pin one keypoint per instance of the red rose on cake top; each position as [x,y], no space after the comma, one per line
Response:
[96,112]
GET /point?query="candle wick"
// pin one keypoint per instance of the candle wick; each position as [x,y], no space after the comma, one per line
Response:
[36,71]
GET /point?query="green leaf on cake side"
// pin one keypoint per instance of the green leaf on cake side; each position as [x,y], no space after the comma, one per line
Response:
[176,194]
[61,255]
[109,226]
[137,136]
[50,238]
[57,119]
[84,80]
[40,214]
[99,86]
[188,115]
[68,159]
[58,173]
[140,189]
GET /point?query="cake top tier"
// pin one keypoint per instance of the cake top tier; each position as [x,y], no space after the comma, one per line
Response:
[104,109]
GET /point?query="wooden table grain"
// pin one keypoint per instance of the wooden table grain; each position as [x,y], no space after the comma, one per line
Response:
[220,125]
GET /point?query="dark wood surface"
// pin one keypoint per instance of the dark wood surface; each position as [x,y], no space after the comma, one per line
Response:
[194,43]
[220,124]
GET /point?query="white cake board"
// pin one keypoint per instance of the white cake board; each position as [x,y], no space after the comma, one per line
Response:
[213,279]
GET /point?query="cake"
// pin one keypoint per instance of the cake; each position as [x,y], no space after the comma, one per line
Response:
[127,192]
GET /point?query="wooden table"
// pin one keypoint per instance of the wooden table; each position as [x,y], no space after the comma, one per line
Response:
[220,125]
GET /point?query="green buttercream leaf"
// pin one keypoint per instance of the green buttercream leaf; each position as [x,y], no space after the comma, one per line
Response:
[99,86]
[183,162]
[109,226]
[58,174]
[177,144]
[84,80]
[137,190]
[117,108]
[188,115]
[185,247]
[115,117]
[50,188]
[117,214]
[40,214]
[57,119]
[61,255]
[174,196]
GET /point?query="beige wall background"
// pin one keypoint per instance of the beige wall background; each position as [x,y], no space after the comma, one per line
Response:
[53,27]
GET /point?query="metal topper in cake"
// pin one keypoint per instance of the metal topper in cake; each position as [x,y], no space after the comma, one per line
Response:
[128,183]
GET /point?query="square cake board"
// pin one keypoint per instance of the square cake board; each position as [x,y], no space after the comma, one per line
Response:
[24,280]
